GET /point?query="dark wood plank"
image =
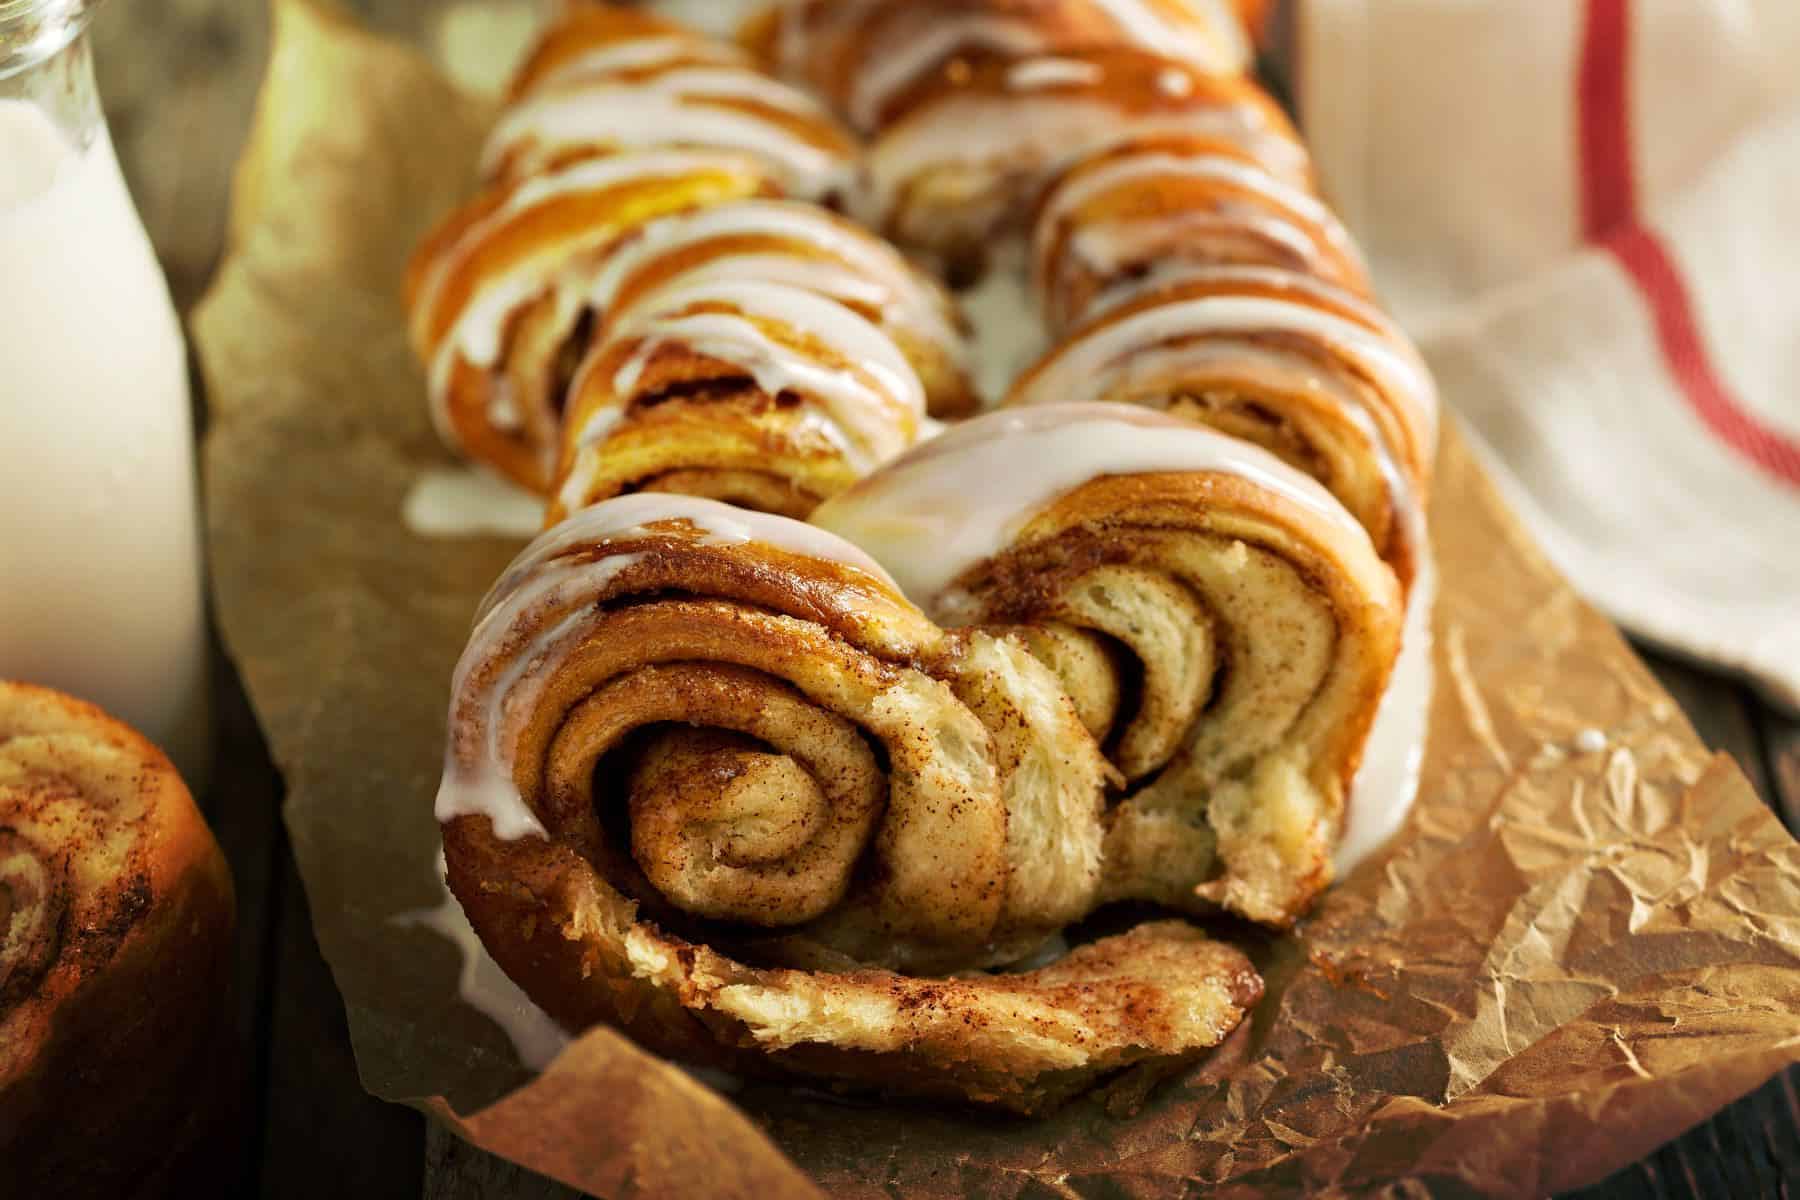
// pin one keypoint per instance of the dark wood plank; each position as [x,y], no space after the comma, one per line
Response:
[322,1134]
[243,806]
[455,1170]
[1723,711]
[1750,1149]
[1781,747]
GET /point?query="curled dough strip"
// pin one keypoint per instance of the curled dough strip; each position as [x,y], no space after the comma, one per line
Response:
[1149,212]
[1309,372]
[967,157]
[719,381]
[495,299]
[712,779]
[607,80]
[617,119]
[1238,627]
[803,246]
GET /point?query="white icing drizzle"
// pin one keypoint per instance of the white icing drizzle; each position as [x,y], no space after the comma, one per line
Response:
[1046,130]
[480,327]
[503,408]
[486,789]
[470,502]
[1091,363]
[872,399]
[1590,741]
[1006,334]
[1215,42]
[717,523]
[478,333]
[1034,73]
[960,499]
[821,276]
[896,63]
[535,579]
[1174,83]
[1135,170]
[637,54]
[479,782]
[732,83]
[890,69]
[1387,783]
[536,1038]
[1119,250]
[716,18]
[866,270]
[639,116]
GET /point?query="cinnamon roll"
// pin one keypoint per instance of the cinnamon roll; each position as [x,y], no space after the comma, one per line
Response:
[763,394]
[116,918]
[970,149]
[606,80]
[1310,372]
[865,56]
[1224,625]
[712,780]
[1147,212]
[605,198]
[803,246]
[496,299]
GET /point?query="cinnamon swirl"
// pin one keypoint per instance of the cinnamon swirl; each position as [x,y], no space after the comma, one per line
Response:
[1225,628]
[711,779]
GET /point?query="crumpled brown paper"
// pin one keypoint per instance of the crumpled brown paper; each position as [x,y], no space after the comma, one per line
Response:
[1570,955]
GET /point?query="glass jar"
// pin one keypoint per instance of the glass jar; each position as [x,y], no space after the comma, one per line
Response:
[100,584]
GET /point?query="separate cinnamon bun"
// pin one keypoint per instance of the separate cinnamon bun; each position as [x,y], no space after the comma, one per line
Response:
[116,918]
[1308,371]
[1224,626]
[712,780]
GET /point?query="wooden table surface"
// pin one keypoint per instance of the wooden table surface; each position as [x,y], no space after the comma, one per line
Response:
[179,78]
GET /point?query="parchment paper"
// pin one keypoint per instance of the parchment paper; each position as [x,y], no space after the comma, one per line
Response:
[1572,953]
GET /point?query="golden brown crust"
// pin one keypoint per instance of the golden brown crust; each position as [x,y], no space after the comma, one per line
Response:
[501,234]
[834,46]
[936,188]
[584,25]
[1343,435]
[780,809]
[1163,219]
[114,956]
[562,64]
[655,400]
[620,122]
[910,306]
[1298,626]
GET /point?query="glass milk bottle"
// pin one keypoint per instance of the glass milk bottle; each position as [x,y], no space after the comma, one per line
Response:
[100,587]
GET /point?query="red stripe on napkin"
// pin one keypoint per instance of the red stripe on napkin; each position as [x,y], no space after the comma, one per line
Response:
[1609,218]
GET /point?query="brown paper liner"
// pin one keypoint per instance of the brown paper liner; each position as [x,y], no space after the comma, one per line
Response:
[1568,956]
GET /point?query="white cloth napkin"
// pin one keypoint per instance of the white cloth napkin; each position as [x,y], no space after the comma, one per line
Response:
[1588,213]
